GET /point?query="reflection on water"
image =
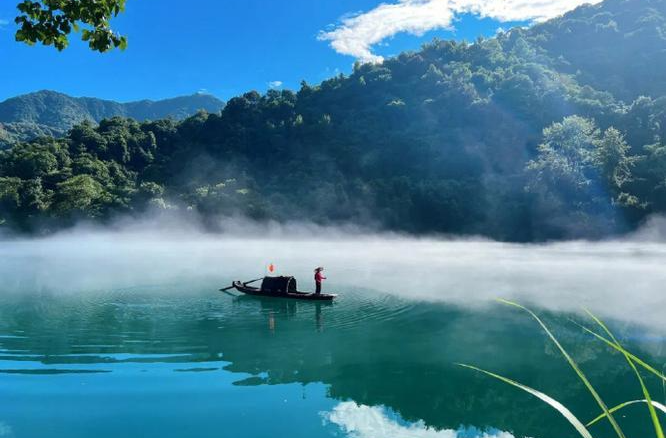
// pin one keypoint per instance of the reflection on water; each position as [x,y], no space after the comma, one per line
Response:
[177,361]
[360,421]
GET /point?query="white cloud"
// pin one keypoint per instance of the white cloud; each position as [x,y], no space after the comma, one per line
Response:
[274,84]
[361,421]
[355,35]
[5,430]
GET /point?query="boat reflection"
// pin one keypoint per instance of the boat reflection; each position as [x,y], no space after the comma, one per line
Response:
[278,308]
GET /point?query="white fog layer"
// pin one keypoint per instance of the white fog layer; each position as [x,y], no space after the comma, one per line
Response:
[620,279]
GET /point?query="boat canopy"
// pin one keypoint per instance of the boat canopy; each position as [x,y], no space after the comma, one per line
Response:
[279,285]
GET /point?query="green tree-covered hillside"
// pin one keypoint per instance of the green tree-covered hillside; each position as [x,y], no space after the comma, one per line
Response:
[526,136]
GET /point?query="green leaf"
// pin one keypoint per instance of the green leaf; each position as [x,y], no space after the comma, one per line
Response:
[655,404]
[653,414]
[633,357]
[559,407]
[575,367]
[20,35]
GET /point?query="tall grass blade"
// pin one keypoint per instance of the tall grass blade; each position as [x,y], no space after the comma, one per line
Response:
[633,357]
[657,405]
[566,413]
[648,399]
[575,367]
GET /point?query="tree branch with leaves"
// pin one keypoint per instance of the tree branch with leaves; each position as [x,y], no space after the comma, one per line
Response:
[51,22]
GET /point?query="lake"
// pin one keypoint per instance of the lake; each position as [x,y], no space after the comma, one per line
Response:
[111,335]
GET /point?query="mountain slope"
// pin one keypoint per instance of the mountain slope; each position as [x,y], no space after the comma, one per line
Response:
[617,46]
[50,112]
[506,138]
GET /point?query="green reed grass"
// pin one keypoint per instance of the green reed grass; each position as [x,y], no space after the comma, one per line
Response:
[648,399]
[607,413]
[657,405]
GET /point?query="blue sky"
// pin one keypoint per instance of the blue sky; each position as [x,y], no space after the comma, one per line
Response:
[227,47]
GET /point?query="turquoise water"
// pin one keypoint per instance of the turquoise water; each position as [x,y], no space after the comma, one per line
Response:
[181,359]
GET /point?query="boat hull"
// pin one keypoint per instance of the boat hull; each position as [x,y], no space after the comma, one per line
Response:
[255,291]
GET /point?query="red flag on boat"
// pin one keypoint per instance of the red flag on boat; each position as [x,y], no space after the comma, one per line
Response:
[271,268]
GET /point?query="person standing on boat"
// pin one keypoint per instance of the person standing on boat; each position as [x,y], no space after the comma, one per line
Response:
[318,277]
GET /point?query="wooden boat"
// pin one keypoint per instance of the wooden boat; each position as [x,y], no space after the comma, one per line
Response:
[280,287]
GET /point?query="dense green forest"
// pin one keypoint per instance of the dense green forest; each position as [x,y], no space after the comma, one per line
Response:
[555,131]
[46,112]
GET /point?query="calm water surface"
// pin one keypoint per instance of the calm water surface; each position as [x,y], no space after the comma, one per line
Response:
[183,360]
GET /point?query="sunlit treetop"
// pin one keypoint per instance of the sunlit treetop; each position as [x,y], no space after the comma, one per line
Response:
[50,22]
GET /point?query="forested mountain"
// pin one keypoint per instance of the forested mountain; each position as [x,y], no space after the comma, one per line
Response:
[616,46]
[50,113]
[556,131]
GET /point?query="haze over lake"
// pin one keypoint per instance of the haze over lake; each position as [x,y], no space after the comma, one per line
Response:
[86,315]
[619,279]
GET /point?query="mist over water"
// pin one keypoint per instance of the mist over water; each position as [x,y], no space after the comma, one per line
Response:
[620,279]
[130,316]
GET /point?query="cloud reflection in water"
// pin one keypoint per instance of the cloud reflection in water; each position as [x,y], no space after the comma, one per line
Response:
[361,421]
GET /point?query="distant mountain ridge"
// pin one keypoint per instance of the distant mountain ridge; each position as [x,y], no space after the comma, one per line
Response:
[49,112]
